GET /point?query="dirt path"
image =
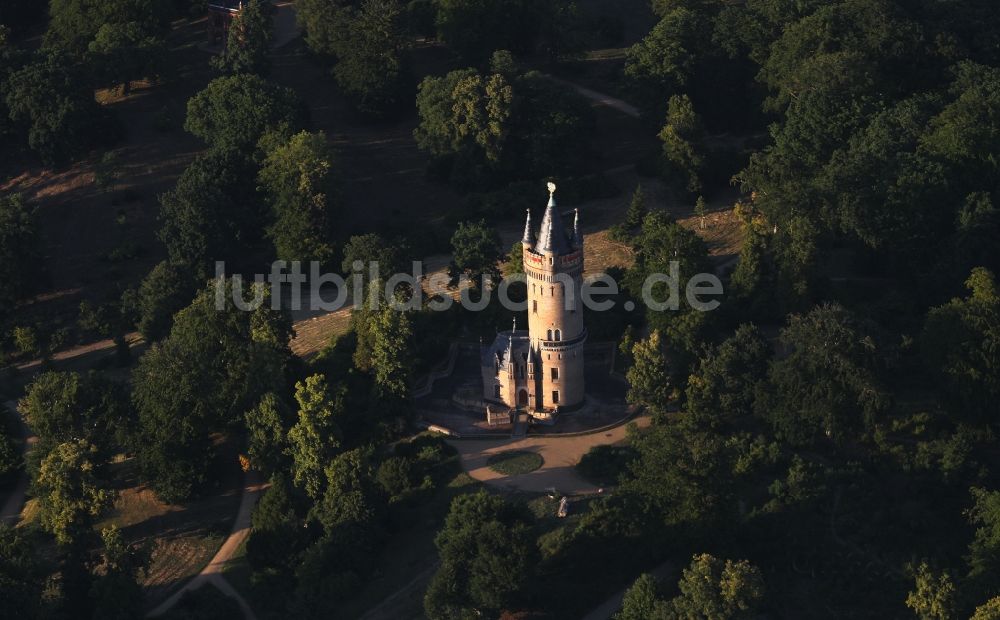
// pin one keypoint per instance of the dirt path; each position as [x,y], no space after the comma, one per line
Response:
[606,100]
[12,507]
[212,573]
[561,454]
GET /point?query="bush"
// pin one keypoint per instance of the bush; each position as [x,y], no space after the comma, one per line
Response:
[395,476]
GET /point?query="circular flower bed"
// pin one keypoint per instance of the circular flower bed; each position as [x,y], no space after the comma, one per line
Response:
[515,462]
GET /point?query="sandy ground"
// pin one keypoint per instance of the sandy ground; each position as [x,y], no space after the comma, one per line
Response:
[561,454]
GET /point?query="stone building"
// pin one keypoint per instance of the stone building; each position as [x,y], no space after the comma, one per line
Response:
[540,370]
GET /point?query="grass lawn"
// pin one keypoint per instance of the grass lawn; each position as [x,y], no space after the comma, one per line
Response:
[183,537]
[515,462]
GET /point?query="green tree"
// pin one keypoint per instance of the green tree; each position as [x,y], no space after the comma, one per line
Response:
[22,577]
[475,29]
[248,45]
[957,345]
[352,500]
[66,406]
[642,601]
[725,381]
[491,128]
[314,439]
[984,550]
[123,52]
[70,494]
[277,534]
[475,251]
[10,456]
[680,136]
[236,111]
[214,366]
[214,213]
[666,60]
[990,610]
[267,425]
[391,355]
[717,590]
[50,100]
[664,247]
[827,386]
[487,556]
[167,289]
[370,65]
[20,255]
[933,596]
[116,590]
[648,381]
[371,248]
[73,24]
[301,186]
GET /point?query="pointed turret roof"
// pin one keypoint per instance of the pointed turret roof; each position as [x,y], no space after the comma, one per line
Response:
[577,230]
[552,237]
[529,231]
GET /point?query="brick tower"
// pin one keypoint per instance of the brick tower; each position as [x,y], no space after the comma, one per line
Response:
[553,264]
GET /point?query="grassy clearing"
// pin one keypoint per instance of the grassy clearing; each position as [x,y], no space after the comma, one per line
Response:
[183,537]
[515,462]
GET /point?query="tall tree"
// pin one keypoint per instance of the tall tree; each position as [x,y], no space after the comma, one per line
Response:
[214,365]
[166,289]
[719,590]
[725,381]
[370,65]
[50,100]
[116,590]
[958,343]
[213,214]
[487,554]
[70,494]
[314,439]
[392,353]
[248,45]
[267,423]
[301,186]
[66,406]
[828,385]
[237,110]
[123,52]
[476,251]
[680,136]
[648,380]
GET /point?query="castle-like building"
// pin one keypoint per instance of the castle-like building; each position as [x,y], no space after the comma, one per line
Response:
[540,370]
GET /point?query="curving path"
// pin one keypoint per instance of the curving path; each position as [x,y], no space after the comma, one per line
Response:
[10,513]
[603,99]
[561,455]
[212,573]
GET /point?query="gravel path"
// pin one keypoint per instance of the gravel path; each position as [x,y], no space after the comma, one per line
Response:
[212,573]
[561,455]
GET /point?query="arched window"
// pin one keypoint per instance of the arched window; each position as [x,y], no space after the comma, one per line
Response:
[558,335]
[549,335]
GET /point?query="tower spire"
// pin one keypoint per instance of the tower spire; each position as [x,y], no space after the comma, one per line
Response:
[552,237]
[529,231]
[577,230]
